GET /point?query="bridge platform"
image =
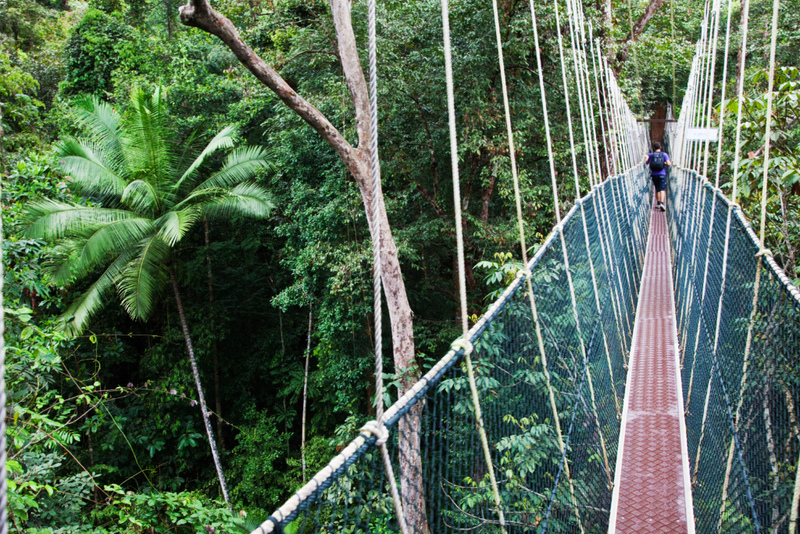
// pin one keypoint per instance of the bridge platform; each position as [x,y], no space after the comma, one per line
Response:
[652,486]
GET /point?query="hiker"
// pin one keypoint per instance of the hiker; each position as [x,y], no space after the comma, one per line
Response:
[658,162]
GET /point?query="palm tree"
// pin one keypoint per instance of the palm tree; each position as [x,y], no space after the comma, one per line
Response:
[142,199]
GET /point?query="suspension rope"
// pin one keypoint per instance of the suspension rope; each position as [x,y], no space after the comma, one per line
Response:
[731,207]
[762,233]
[578,201]
[712,218]
[378,427]
[3,472]
[461,270]
[528,274]
[557,209]
[601,227]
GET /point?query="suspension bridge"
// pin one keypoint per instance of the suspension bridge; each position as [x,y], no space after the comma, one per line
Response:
[638,375]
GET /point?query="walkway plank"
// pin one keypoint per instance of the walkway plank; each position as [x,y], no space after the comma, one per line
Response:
[651,488]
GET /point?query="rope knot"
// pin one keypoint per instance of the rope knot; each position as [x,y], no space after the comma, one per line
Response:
[464,344]
[378,430]
[763,252]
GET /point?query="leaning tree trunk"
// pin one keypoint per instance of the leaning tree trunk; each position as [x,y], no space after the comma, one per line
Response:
[200,14]
[305,393]
[214,345]
[199,386]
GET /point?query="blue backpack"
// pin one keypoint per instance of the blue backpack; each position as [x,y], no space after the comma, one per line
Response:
[657,162]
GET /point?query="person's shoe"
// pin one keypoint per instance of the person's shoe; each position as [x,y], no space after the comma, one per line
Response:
[661,207]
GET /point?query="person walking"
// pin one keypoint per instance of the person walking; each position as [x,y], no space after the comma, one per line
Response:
[658,162]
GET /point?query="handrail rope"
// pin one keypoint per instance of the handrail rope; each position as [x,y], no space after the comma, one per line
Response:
[461,269]
[377,270]
[557,210]
[336,466]
[577,199]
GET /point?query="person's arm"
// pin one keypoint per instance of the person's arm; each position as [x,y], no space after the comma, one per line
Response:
[668,161]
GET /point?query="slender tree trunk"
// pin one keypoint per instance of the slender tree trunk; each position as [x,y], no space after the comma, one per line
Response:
[198,384]
[214,346]
[305,393]
[200,14]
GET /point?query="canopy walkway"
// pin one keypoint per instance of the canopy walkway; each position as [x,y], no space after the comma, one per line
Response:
[556,471]
[638,375]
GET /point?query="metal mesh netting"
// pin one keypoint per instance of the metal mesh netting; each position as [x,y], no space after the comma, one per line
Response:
[434,444]
[741,411]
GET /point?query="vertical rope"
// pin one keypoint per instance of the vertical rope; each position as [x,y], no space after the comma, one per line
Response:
[377,271]
[557,209]
[523,245]
[3,472]
[578,201]
[762,235]
[461,270]
[672,46]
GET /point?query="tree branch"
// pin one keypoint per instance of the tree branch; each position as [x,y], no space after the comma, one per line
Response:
[199,14]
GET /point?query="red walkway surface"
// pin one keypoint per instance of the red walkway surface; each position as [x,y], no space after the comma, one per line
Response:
[651,488]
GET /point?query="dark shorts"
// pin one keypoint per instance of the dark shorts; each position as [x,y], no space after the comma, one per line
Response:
[659,181]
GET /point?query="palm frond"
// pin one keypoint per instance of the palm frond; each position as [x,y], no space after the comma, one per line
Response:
[92,173]
[173,225]
[141,197]
[142,281]
[150,157]
[223,139]
[77,316]
[51,219]
[105,244]
[241,165]
[248,200]
[101,121]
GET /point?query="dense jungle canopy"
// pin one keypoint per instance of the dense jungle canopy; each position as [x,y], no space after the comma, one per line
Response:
[227,244]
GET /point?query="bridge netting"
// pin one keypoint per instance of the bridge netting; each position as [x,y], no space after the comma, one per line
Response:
[543,487]
[741,404]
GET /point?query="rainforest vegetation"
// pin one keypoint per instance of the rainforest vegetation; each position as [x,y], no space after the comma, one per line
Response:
[180,237]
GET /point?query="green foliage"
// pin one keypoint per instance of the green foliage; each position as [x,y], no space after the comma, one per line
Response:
[93,53]
[181,513]
[151,199]
[783,185]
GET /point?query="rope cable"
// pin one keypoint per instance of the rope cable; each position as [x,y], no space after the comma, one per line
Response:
[578,201]
[557,210]
[376,264]
[461,269]
[3,471]
[528,274]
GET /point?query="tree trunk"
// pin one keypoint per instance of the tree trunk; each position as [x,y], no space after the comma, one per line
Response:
[198,384]
[305,394]
[200,14]
[214,346]
[638,28]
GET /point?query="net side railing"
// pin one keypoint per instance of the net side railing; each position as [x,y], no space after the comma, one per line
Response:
[741,406]
[434,444]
